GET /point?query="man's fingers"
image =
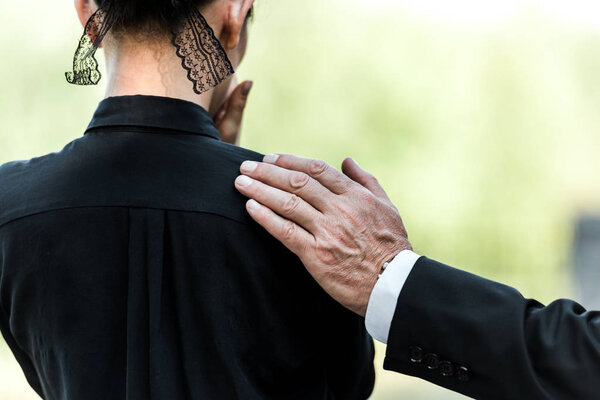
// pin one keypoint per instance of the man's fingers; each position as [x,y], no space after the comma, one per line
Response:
[324,173]
[295,182]
[287,232]
[287,205]
[359,175]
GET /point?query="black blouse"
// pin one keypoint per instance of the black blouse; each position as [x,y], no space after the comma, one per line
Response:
[129,269]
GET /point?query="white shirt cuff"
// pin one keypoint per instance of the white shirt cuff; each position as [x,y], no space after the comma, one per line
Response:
[382,304]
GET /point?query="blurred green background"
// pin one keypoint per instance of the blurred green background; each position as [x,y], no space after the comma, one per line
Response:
[480,118]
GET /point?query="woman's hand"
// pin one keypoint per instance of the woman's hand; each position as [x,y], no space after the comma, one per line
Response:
[228,119]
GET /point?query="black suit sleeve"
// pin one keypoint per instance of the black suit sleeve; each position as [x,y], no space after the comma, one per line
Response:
[485,340]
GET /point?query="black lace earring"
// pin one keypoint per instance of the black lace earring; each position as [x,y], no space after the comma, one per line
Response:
[201,53]
[85,66]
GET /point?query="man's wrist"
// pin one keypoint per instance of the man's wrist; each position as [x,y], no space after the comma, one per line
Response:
[382,303]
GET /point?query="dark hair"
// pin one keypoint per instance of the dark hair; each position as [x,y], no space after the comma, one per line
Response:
[147,17]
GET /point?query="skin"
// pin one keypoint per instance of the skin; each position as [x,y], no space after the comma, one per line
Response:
[151,67]
[228,119]
[342,226]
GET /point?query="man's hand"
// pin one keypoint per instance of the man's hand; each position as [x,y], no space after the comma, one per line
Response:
[342,226]
[228,120]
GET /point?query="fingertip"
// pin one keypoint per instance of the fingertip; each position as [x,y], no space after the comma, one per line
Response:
[271,158]
[351,161]
[243,181]
[246,87]
[248,167]
[253,206]
[348,165]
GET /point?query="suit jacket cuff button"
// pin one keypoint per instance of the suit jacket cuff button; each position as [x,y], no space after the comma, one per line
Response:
[446,368]
[415,354]
[463,374]
[432,361]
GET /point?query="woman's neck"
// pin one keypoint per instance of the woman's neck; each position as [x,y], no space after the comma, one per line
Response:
[149,69]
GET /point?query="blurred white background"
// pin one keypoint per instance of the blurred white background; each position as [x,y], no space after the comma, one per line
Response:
[479,117]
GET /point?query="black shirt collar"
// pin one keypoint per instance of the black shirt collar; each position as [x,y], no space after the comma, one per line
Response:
[157,114]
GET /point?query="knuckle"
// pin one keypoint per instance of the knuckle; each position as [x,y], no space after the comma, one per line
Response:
[284,160]
[372,178]
[326,254]
[344,185]
[345,209]
[291,204]
[288,230]
[317,167]
[354,214]
[350,216]
[299,180]
[366,197]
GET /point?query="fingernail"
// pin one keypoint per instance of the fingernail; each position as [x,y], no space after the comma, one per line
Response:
[271,158]
[243,181]
[248,166]
[246,88]
[253,205]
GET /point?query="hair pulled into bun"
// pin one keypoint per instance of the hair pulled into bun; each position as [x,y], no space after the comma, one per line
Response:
[201,53]
[145,17]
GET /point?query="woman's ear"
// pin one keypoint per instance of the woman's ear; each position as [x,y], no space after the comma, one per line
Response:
[85,9]
[235,21]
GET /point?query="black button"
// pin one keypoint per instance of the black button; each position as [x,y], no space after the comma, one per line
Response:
[446,368]
[432,361]
[415,354]
[462,373]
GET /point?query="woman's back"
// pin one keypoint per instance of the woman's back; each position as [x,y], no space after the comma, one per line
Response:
[130,270]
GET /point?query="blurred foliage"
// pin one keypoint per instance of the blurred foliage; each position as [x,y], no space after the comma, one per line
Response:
[485,136]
